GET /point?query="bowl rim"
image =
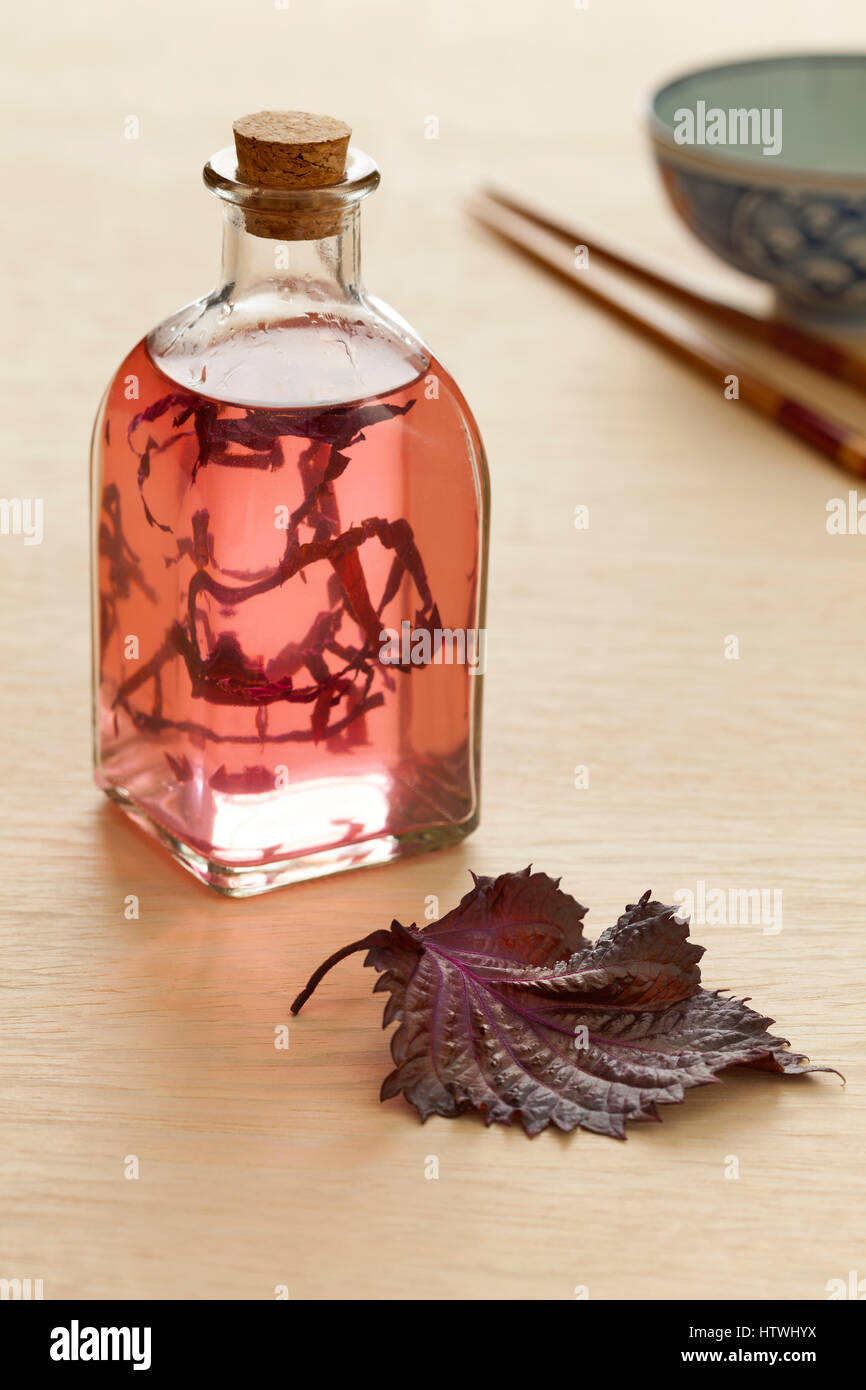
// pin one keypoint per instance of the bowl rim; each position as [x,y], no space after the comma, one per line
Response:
[717,159]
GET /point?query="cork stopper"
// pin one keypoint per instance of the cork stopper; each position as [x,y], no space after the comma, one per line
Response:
[293,150]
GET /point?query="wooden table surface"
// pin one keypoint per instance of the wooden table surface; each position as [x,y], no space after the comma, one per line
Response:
[155,1038]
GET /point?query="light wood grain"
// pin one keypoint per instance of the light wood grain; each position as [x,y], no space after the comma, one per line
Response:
[155,1037]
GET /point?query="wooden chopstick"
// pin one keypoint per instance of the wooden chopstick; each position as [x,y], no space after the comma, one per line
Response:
[817,352]
[671,331]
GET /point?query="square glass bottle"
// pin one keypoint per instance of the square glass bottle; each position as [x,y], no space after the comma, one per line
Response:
[290,515]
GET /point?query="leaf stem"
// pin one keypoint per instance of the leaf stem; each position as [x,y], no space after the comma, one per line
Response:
[376,938]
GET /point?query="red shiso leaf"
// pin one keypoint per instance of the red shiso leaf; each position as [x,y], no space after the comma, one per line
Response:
[504,1007]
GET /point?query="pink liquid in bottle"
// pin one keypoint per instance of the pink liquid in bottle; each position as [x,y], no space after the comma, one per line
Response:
[252,562]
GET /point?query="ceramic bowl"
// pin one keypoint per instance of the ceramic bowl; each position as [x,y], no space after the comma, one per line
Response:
[765,161]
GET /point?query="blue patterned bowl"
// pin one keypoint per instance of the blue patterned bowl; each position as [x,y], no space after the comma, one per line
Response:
[765,161]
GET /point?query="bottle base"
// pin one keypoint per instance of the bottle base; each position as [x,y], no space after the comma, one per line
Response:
[249,880]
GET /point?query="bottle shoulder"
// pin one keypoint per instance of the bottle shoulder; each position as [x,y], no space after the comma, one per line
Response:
[267,349]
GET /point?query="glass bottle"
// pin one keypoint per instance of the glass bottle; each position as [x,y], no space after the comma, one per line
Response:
[290,503]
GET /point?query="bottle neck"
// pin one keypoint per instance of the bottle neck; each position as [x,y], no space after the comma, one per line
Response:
[308,272]
[289,326]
